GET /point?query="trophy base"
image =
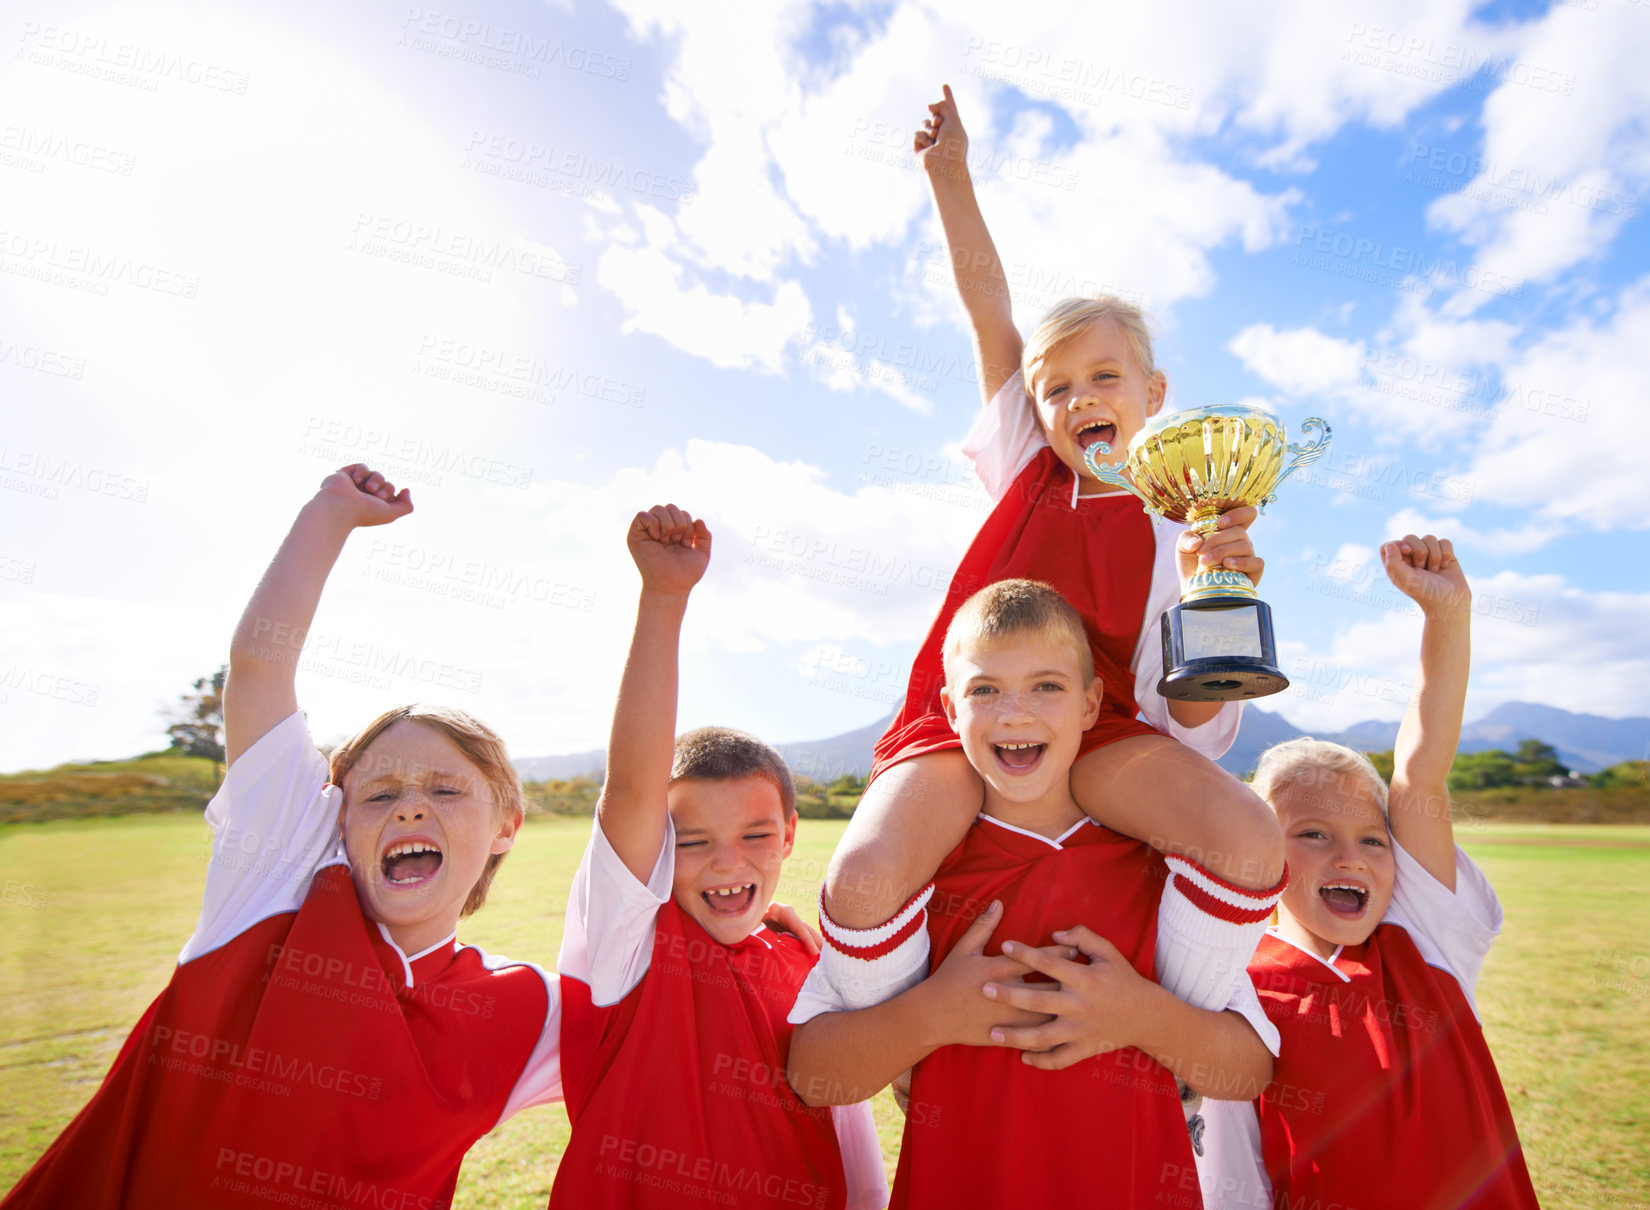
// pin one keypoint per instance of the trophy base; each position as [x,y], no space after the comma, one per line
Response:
[1219,649]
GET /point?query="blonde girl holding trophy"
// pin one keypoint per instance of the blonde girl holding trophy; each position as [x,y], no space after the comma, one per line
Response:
[1084,376]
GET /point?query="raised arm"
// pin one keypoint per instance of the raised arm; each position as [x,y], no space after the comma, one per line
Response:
[841,1058]
[671,550]
[941,147]
[1106,1005]
[1425,570]
[263,655]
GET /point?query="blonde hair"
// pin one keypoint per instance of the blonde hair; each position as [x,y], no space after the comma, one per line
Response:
[481,747]
[723,754]
[1073,316]
[1010,608]
[1313,762]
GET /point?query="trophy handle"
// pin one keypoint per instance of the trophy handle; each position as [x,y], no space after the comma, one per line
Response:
[1114,474]
[1305,454]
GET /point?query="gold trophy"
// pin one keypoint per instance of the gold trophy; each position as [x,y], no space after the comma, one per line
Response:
[1192,466]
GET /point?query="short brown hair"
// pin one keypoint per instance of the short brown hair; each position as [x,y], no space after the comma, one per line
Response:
[480,745]
[723,754]
[1072,316]
[1010,608]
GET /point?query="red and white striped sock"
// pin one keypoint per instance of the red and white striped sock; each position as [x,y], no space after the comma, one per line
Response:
[1207,931]
[868,966]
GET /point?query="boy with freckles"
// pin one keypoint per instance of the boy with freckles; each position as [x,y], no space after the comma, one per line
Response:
[674,1037]
[1384,1093]
[1045,1064]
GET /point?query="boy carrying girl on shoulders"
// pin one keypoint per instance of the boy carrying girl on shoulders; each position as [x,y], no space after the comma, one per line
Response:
[984,1126]
[1145,766]
[674,1031]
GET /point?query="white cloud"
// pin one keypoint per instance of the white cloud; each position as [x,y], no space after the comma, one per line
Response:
[725,330]
[796,565]
[1301,361]
[1529,420]
[796,560]
[1511,540]
[1424,380]
[798,153]
[844,151]
[524,594]
[321,218]
[1566,152]
[840,358]
[1562,443]
[1535,638]
[727,82]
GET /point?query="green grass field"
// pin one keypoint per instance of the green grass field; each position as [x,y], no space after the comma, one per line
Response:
[93,912]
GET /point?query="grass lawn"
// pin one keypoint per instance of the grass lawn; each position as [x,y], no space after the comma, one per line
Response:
[94,912]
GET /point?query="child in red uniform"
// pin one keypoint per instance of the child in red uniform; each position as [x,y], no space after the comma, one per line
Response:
[983,1128]
[1085,376]
[1385,1094]
[674,1034]
[324,1040]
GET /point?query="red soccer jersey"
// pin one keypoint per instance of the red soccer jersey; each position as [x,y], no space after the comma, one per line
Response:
[302,1060]
[678,1094]
[1099,553]
[297,1057]
[1384,1094]
[983,1129]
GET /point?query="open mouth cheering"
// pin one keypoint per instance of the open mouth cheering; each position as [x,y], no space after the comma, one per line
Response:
[410,862]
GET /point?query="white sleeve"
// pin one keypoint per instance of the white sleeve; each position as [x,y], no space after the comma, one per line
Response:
[540,1081]
[862,1167]
[1453,929]
[274,823]
[1231,1169]
[607,941]
[816,995]
[1215,737]
[1004,438]
[1246,1003]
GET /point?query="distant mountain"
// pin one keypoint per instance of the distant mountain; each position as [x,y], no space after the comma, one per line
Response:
[1260,730]
[825,760]
[1372,735]
[1585,742]
[561,768]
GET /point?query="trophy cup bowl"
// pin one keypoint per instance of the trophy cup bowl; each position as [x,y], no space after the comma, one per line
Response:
[1191,466]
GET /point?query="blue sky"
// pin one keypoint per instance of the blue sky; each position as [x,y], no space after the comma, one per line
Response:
[553,263]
